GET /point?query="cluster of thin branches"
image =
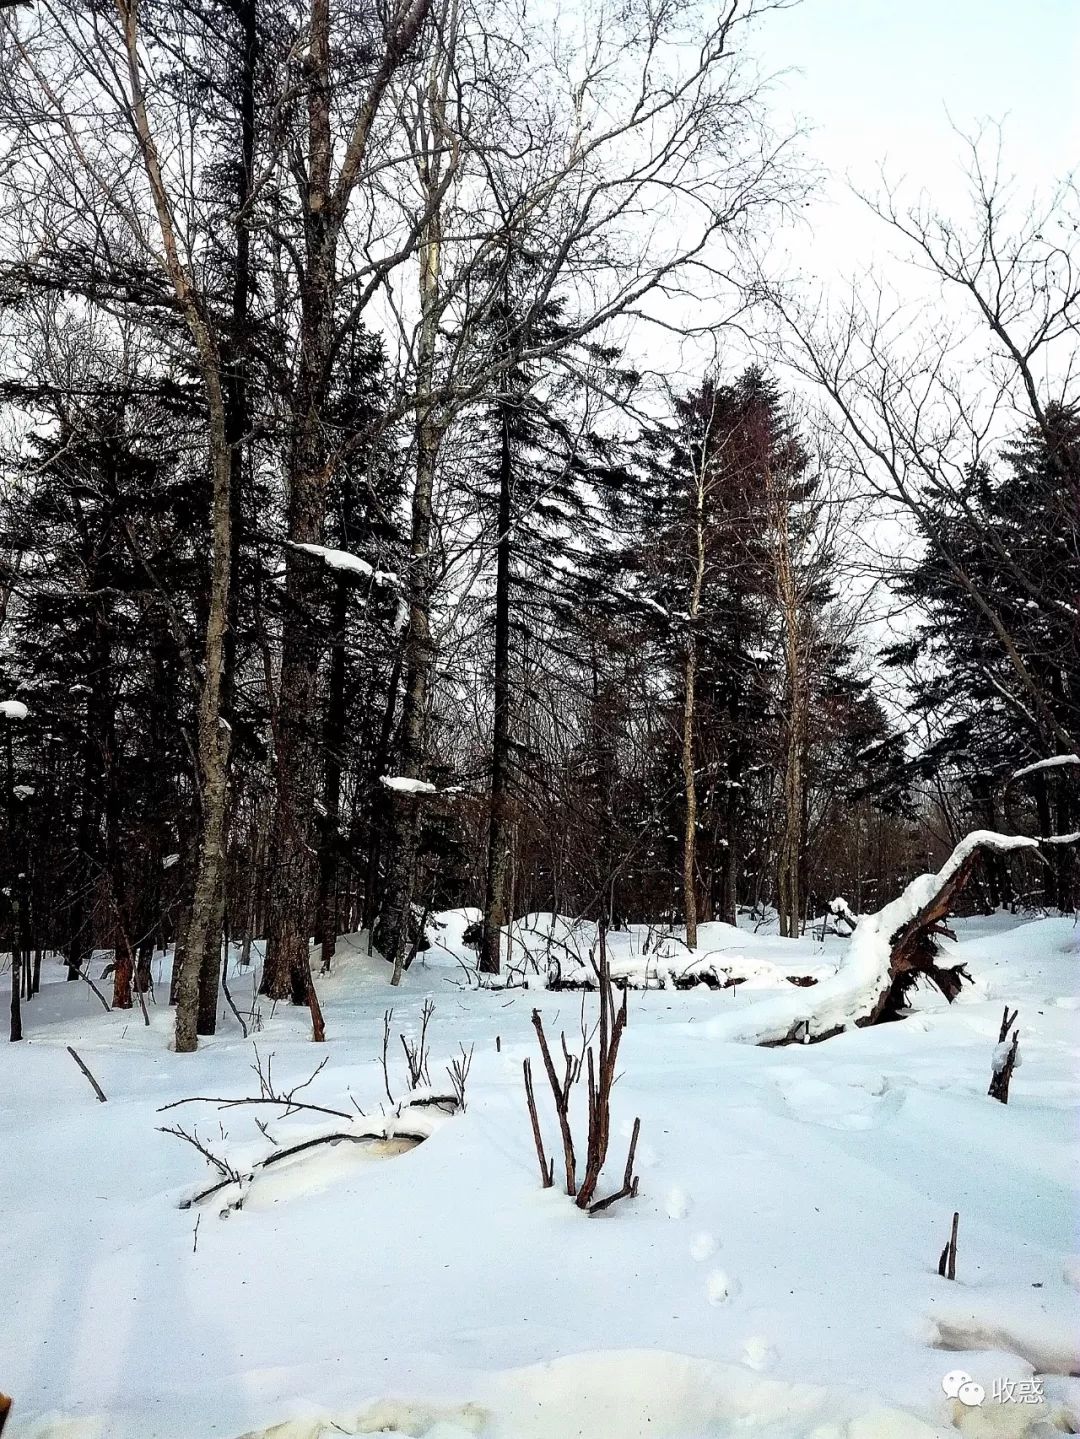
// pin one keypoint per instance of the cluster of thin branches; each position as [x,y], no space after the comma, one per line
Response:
[599,1065]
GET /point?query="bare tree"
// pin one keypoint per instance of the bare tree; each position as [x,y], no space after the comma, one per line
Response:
[622,116]
[82,87]
[922,399]
[324,194]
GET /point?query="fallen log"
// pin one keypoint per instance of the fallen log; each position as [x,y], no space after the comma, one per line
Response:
[888,953]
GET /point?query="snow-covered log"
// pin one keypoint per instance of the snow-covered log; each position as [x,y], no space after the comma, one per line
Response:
[889,950]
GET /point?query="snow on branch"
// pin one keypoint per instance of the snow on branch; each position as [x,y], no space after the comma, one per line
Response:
[343,560]
[888,951]
[1055,761]
[13,710]
[402,784]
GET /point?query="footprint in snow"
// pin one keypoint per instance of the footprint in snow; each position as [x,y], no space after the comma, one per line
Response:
[702,1246]
[840,1106]
[678,1203]
[758,1353]
[720,1287]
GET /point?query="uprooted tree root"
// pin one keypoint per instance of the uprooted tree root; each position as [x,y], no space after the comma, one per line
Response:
[915,949]
[914,946]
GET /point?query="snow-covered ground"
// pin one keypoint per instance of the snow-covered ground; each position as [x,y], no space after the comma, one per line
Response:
[775,1279]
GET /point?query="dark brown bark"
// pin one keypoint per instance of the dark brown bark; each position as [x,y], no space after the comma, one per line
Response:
[333,740]
[500,828]
[915,947]
[396,935]
[378,801]
[287,971]
[287,968]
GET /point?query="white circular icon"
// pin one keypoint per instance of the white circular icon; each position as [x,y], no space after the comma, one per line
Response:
[971,1394]
[954,1381]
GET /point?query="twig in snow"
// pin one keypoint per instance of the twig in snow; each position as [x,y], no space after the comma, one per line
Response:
[387,1017]
[229,998]
[298,1087]
[547,1168]
[416,1055]
[458,1070]
[602,1074]
[630,1182]
[278,1099]
[223,1167]
[93,1082]
[947,1263]
[83,975]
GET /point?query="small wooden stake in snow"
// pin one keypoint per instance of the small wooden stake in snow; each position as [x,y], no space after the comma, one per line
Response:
[547,1167]
[96,1086]
[947,1263]
[1004,1060]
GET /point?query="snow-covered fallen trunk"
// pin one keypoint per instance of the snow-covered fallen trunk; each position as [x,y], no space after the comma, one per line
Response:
[855,994]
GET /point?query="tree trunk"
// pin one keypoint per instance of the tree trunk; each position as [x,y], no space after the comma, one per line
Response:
[789,869]
[689,867]
[395,937]
[236,421]
[496,914]
[287,969]
[202,939]
[333,740]
[380,818]
[690,791]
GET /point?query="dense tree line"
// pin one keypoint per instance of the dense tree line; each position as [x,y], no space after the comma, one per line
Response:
[351,569]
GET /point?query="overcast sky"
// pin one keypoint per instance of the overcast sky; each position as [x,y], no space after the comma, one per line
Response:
[878,80]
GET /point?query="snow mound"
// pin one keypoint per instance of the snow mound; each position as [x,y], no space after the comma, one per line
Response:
[626,1394]
[1044,1331]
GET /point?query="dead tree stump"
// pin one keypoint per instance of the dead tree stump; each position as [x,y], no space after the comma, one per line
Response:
[1005,1060]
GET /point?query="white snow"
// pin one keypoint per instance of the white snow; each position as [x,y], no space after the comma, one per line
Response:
[1054,762]
[343,560]
[435,1289]
[13,710]
[1000,1057]
[170,860]
[402,784]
